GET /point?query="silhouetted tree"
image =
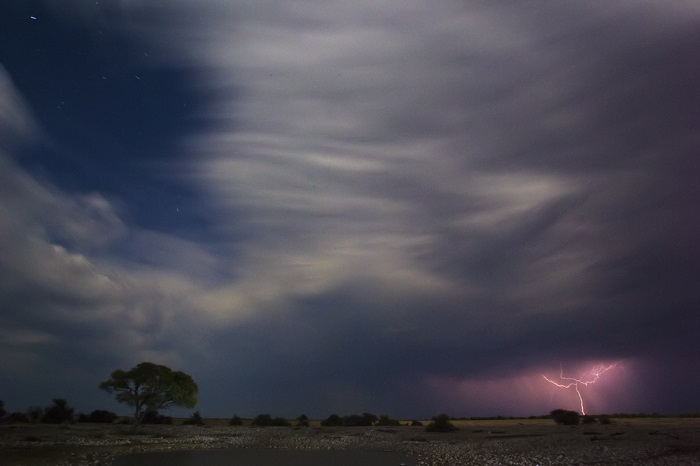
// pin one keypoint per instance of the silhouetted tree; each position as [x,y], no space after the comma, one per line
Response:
[235,421]
[149,387]
[567,418]
[441,423]
[415,423]
[2,409]
[58,412]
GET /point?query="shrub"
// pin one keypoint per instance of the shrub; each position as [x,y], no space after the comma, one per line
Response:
[152,417]
[194,420]
[99,415]
[303,421]
[34,414]
[58,412]
[265,420]
[18,417]
[2,409]
[588,420]
[565,417]
[604,419]
[332,420]
[384,420]
[415,423]
[364,419]
[441,423]
[235,421]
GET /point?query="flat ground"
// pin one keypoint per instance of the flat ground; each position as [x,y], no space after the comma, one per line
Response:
[653,441]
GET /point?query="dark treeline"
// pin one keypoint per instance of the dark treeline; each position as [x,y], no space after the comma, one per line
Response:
[61,412]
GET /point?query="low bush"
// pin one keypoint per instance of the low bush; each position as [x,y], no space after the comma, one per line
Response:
[235,421]
[364,419]
[58,412]
[565,417]
[35,413]
[194,420]
[152,417]
[18,417]
[441,423]
[332,420]
[303,421]
[99,416]
[385,420]
[265,420]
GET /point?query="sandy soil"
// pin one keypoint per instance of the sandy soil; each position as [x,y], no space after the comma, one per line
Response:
[662,441]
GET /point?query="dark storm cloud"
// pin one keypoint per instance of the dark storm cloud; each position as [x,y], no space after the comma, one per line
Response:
[418,207]
[519,162]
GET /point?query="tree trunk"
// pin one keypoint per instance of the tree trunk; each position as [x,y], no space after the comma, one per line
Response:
[137,417]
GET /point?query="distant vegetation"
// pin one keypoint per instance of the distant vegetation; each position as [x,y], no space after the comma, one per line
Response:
[265,420]
[154,417]
[441,423]
[364,419]
[98,415]
[58,413]
[332,420]
[385,420]
[565,417]
[61,412]
[194,420]
[35,413]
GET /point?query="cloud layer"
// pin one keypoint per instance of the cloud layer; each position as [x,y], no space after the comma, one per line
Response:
[411,208]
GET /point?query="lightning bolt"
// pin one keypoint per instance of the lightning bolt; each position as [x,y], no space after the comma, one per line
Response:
[592,377]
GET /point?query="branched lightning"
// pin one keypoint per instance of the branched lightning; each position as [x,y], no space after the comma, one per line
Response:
[592,377]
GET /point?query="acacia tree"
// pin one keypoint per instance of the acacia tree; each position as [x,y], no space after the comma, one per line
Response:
[150,387]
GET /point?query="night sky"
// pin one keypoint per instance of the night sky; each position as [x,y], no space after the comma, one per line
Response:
[323,207]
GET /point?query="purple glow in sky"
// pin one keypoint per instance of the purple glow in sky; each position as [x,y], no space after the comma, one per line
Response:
[395,207]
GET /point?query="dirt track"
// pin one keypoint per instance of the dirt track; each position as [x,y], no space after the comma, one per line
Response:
[625,442]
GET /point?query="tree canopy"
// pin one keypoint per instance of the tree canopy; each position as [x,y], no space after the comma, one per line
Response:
[151,387]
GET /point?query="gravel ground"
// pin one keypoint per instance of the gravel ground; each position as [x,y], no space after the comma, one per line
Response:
[492,443]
